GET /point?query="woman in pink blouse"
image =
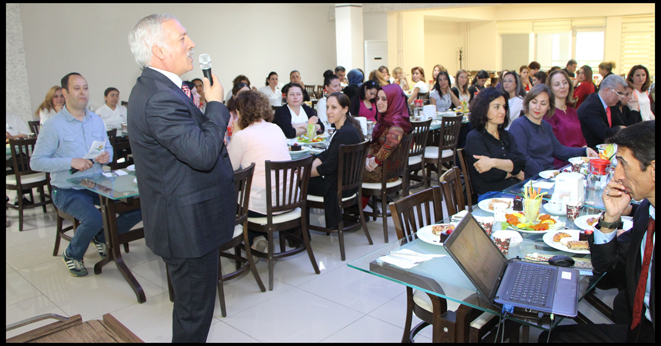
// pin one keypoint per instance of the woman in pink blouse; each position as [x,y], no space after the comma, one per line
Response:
[564,121]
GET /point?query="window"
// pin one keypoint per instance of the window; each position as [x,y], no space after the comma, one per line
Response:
[638,45]
[553,49]
[590,49]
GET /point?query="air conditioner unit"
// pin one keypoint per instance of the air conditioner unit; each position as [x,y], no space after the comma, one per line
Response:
[376,54]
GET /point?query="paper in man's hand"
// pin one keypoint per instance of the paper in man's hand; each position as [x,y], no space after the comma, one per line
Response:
[95,150]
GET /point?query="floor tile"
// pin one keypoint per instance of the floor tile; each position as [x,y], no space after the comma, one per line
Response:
[221,332]
[151,321]
[18,289]
[367,329]
[30,308]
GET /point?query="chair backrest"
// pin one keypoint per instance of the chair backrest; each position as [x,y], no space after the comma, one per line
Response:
[291,179]
[21,151]
[420,132]
[319,91]
[413,212]
[243,182]
[112,136]
[395,165]
[468,183]
[351,166]
[310,90]
[34,127]
[450,127]
[452,193]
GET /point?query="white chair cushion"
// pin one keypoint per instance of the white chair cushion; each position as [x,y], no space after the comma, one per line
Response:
[414,160]
[377,186]
[280,218]
[422,300]
[432,153]
[314,198]
[238,230]
[26,179]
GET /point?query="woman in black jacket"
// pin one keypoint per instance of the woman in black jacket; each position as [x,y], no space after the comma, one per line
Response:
[293,118]
[323,181]
[364,104]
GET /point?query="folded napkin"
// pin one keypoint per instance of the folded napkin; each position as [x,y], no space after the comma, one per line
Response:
[543,184]
[460,215]
[120,172]
[406,258]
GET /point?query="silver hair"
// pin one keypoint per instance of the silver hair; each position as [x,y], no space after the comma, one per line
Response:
[612,81]
[147,32]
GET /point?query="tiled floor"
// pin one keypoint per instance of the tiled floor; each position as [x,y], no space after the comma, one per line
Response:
[339,305]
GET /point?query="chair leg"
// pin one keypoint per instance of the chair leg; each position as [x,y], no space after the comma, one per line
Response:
[20,212]
[362,220]
[306,240]
[270,258]
[41,198]
[281,235]
[253,269]
[126,247]
[384,215]
[406,337]
[237,253]
[58,230]
[340,237]
[221,291]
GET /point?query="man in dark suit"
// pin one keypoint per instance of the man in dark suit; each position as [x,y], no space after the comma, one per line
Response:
[598,115]
[184,173]
[628,263]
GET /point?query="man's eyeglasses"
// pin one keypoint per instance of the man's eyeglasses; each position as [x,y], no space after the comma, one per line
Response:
[619,94]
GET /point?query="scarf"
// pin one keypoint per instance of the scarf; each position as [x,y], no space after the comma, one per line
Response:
[355,77]
[396,114]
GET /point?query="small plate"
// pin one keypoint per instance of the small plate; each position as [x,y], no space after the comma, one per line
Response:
[550,174]
[484,205]
[582,222]
[130,168]
[553,211]
[548,239]
[425,234]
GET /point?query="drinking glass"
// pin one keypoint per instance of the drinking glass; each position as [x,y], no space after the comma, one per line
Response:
[531,208]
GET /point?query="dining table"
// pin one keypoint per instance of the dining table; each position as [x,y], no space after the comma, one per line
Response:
[118,193]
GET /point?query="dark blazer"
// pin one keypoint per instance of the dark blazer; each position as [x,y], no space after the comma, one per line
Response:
[282,118]
[621,260]
[183,170]
[628,116]
[594,122]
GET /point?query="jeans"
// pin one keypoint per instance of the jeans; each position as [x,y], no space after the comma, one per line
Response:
[80,204]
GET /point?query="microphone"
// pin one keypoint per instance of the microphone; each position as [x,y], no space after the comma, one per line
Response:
[205,65]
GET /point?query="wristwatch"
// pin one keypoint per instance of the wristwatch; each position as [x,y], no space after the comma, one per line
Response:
[608,225]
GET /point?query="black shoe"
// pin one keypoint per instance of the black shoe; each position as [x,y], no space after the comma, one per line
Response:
[25,202]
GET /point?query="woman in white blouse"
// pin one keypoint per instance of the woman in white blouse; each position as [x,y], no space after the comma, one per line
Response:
[331,85]
[419,87]
[639,77]
[514,88]
[113,115]
[460,90]
[271,90]
[442,95]
[52,104]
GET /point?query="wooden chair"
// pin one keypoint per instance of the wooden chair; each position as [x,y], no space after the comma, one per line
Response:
[121,148]
[350,167]
[445,149]
[24,178]
[393,168]
[34,127]
[310,90]
[452,192]
[293,177]
[319,91]
[468,182]
[420,131]
[60,233]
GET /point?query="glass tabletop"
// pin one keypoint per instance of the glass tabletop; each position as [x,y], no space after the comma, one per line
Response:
[112,184]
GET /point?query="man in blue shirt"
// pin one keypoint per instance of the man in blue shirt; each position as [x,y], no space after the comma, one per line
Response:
[62,142]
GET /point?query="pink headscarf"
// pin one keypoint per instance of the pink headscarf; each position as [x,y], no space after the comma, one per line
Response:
[396,114]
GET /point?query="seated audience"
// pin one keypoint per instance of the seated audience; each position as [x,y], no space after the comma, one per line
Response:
[112,113]
[585,85]
[386,74]
[52,104]
[331,85]
[271,90]
[16,128]
[355,81]
[231,107]
[524,71]
[420,88]
[494,161]
[295,77]
[571,68]
[400,78]
[553,68]
[293,119]
[513,87]
[598,119]
[256,140]
[534,67]
[501,75]
[238,79]
[438,68]
[639,77]
[442,96]
[628,107]
[55,156]
[323,180]
[605,70]
[200,101]
[340,72]
[460,90]
[539,78]
[376,76]
[364,104]
[535,138]
[478,83]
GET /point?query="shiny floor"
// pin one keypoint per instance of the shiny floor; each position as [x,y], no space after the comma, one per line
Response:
[339,305]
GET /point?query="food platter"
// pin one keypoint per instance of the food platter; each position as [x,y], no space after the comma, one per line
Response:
[552,226]
[305,140]
[550,174]
[425,234]
[485,204]
[548,239]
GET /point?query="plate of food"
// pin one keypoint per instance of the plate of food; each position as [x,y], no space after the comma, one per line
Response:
[569,240]
[487,204]
[435,234]
[299,149]
[544,223]
[304,139]
[550,174]
[588,222]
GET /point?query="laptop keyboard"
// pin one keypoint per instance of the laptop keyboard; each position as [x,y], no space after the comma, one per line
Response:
[531,285]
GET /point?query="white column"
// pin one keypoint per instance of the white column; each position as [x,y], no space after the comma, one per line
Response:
[349,36]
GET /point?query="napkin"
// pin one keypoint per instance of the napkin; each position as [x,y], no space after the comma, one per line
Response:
[120,172]
[543,184]
[459,216]
[406,258]
[429,111]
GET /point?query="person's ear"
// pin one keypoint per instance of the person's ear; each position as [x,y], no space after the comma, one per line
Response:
[158,51]
[653,167]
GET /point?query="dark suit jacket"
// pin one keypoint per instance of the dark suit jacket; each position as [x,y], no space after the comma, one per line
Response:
[621,260]
[628,116]
[594,121]
[184,174]
[282,118]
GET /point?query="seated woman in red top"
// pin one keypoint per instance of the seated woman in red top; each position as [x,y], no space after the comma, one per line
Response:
[585,86]
[564,121]
[364,104]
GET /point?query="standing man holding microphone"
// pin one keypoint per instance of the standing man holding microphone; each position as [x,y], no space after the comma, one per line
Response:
[183,170]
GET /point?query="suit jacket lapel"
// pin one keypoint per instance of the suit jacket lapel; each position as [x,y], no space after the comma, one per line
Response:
[149,73]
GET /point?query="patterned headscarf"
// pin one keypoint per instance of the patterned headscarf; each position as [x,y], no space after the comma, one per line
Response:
[396,114]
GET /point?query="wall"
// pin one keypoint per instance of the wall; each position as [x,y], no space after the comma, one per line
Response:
[484,47]
[442,42]
[18,90]
[250,39]
[515,51]
[375,25]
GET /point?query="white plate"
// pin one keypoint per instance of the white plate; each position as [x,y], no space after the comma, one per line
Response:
[553,211]
[131,168]
[556,226]
[484,205]
[304,149]
[548,239]
[548,174]
[582,222]
[425,234]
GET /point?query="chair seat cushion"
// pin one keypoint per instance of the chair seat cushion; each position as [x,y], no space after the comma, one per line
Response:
[414,160]
[280,218]
[26,179]
[432,153]
[314,198]
[422,299]
[238,230]
[377,186]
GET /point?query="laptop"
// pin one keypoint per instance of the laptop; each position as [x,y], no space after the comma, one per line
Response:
[495,276]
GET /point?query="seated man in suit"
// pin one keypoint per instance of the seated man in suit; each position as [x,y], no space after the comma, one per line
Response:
[628,264]
[62,142]
[598,119]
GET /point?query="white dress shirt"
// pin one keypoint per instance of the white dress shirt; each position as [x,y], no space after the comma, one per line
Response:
[302,117]
[275,97]
[113,119]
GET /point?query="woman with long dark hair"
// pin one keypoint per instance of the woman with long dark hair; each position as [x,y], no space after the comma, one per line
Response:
[363,104]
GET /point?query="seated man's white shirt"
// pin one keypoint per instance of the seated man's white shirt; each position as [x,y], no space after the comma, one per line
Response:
[113,119]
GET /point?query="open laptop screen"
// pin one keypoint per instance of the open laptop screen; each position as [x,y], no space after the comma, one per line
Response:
[478,256]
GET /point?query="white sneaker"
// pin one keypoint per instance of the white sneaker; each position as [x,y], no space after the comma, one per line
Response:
[260,244]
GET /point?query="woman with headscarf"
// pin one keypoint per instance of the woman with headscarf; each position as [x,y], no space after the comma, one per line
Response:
[355,78]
